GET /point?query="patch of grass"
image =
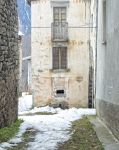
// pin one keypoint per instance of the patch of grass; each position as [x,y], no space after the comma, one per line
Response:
[83,138]
[38,113]
[8,132]
[92,117]
[27,137]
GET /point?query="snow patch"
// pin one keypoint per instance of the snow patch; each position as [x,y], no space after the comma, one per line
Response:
[51,129]
[25,103]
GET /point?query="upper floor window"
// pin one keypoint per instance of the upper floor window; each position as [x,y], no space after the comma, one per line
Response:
[59,14]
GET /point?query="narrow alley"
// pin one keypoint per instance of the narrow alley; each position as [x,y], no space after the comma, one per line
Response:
[59,84]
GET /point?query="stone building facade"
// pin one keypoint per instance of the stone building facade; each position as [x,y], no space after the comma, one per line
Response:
[9,61]
[60,52]
[107,93]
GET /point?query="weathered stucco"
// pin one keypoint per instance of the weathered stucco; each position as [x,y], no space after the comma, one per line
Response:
[9,60]
[74,81]
[107,94]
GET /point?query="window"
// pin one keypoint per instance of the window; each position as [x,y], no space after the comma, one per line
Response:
[59,58]
[104,22]
[59,14]
[60,93]
[59,25]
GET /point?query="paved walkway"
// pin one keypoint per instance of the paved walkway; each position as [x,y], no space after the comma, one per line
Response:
[104,135]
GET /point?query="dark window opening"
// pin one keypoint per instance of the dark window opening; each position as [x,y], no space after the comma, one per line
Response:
[60,91]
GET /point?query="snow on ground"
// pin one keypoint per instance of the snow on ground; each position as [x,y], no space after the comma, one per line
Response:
[25,103]
[51,129]
[46,109]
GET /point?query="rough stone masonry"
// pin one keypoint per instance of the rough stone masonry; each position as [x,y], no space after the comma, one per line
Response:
[9,62]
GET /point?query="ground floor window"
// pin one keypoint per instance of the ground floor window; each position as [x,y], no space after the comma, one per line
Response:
[59,57]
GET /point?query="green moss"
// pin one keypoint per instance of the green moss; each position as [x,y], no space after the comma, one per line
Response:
[8,132]
[83,138]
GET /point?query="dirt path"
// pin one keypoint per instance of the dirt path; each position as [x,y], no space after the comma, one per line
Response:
[28,136]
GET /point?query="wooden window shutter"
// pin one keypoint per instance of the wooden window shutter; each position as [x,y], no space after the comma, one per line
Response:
[64,58]
[55,58]
[59,58]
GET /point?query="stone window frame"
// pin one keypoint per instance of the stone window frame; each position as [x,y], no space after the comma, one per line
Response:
[60,3]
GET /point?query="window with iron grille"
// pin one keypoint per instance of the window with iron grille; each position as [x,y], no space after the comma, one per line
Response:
[59,58]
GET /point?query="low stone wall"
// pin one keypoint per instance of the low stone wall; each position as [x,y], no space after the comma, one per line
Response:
[109,113]
[9,62]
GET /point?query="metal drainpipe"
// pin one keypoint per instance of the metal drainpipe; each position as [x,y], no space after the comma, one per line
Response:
[96,49]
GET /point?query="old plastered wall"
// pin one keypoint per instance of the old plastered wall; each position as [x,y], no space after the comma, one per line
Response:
[107,87]
[74,81]
[9,60]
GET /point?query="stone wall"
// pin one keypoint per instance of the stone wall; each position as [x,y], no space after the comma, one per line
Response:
[9,61]
[107,94]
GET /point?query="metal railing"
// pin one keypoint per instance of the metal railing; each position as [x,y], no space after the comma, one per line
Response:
[59,31]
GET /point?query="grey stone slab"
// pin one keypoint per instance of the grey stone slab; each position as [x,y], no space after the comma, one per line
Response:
[112,147]
[104,134]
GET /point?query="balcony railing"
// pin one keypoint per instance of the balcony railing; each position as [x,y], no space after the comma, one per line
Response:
[60,31]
